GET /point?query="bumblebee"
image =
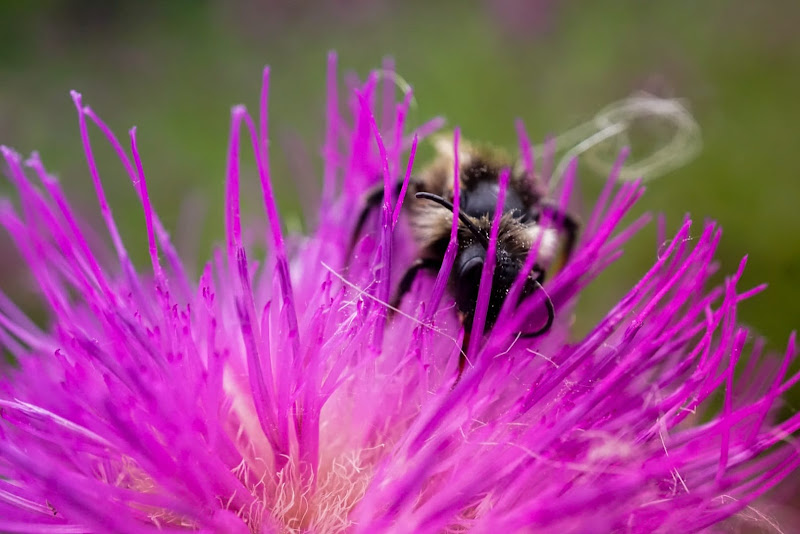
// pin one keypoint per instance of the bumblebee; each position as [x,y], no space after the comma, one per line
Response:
[430,213]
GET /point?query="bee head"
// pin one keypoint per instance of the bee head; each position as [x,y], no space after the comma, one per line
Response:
[468,269]
[467,273]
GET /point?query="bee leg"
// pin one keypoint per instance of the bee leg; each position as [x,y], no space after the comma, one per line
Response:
[372,200]
[462,358]
[551,314]
[408,279]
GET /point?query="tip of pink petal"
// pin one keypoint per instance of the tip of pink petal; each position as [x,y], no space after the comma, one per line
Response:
[34,160]
[238,110]
[10,154]
[742,265]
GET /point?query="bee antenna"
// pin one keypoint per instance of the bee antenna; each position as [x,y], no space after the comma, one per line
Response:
[464,218]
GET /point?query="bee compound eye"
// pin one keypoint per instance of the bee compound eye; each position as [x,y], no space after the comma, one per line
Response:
[467,282]
[471,269]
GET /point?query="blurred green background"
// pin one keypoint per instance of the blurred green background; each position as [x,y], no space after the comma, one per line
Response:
[174,69]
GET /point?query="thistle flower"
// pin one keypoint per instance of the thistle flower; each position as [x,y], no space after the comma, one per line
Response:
[277,394]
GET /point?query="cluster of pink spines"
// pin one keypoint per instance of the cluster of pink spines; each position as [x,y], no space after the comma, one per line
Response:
[551,435]
[280,396]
